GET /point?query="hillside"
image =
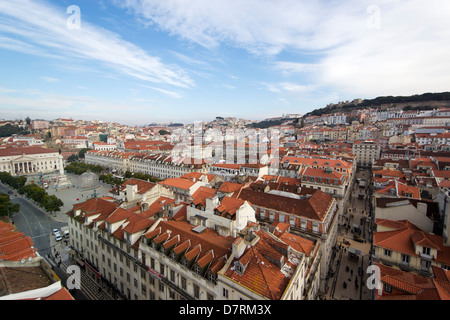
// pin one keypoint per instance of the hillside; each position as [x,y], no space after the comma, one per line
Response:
[422,101]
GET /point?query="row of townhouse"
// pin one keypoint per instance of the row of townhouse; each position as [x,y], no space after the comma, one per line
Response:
[159,166]
[230,170]
[163,166]
[432,138]
[423,121]
[115,161]
[179,254]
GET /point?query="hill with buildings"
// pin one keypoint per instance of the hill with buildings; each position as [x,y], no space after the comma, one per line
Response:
[426,101]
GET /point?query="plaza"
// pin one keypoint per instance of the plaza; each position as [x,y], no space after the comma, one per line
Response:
[77,192]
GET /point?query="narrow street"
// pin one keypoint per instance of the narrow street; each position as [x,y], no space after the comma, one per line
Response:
[353,245]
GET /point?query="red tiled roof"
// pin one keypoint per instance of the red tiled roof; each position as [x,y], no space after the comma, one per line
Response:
[411,286]
[14,245]
[321,173]
[229,187]
[403,240]
[9,151]
[202,193]
[315,207]
[177,183]
[261,274]
[96,206]
[230,205]
[143,186]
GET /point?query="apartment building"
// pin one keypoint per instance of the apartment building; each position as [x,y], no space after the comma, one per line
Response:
[103,146]
[366,152]
[164,167]
[402,244]
[183,189]
[329,181]
[116,161]
[76,142]
[309,212]
[140,193]
[167,257]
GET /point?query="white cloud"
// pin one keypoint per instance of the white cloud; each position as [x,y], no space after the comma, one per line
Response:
[43,30]
[170,93]
[356,47]
[49,79]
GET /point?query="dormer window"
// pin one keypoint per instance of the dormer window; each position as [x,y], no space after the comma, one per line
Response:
[197,269]
[212,277]
[239,268]
[426,251]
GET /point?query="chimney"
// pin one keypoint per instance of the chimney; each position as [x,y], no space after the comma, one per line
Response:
[238,247]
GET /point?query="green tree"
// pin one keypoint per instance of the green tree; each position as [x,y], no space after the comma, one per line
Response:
[33,191]
[82,152]
[6,206]
[73,158]
[51,203]
[163,132]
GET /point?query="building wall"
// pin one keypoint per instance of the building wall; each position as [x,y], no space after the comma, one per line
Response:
[406,212]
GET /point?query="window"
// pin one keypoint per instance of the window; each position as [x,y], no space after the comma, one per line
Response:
[196,291]
[425,265]
[315,227]
[405,259]
[387,252]
[197,269]
[212,277]
[426,251]
[303,224]
[225,293]
[183,283]
[239,268]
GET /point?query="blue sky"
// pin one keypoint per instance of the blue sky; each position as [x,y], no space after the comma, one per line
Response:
[144,61]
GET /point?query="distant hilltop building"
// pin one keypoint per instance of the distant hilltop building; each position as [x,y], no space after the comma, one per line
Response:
[292,116]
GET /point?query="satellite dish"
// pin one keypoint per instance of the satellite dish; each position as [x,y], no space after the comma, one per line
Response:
[22,261]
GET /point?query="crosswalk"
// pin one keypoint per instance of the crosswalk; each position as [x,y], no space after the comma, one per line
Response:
[89,287]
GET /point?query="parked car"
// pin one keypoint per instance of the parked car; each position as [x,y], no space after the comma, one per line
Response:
[358,238]
[346,242]
[58,236]
[55,231]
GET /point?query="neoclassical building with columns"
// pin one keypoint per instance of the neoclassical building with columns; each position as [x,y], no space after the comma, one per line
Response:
[29,160]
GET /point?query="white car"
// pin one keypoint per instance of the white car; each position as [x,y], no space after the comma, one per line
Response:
[55,231]
[58,237]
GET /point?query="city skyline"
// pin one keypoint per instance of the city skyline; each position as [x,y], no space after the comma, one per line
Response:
[140,62]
